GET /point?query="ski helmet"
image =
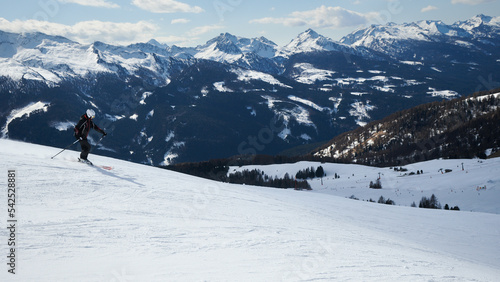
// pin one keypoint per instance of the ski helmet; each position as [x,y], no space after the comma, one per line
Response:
[90,113]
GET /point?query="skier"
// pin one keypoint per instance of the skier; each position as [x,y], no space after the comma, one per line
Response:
[82,131]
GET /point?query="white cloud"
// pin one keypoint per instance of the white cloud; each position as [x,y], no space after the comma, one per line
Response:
[166,6]
[284,21]
[429,8]
[180,21]
[471,2]
[171,39]
[93,3]
[329,17]
[204,29]
[180,41]
[87,31]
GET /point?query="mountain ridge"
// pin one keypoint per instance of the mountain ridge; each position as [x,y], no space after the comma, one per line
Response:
[386,38]
[229,48]
[155,98]
[460,128]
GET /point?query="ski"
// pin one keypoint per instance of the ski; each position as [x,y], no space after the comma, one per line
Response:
[105,167]
[91,164]
[85,162]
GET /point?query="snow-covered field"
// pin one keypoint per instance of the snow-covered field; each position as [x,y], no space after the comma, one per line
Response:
[475,188]
[138,223]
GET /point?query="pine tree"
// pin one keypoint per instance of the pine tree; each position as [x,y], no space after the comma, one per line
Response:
[431,203]
[389,202]
[434,202]
[320,172]
[381,200]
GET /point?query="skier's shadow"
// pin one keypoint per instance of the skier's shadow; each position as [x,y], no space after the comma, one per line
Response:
[108,173]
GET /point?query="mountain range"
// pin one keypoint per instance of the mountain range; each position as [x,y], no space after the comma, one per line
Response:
[167,104]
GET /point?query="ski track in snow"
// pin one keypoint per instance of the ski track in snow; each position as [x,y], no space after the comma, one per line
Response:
[139,223]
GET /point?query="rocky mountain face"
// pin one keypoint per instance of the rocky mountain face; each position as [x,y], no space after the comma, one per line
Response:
[166,104]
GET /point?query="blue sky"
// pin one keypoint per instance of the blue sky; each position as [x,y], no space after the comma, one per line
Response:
[190,23]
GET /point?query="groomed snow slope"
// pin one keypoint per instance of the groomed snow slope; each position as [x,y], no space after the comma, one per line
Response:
[138,223]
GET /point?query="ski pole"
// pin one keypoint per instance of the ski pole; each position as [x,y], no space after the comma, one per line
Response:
[97,143]
[66,148]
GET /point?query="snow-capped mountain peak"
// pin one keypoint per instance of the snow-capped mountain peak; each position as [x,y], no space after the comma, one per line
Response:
[220,48]
[309,33]
[371,37]
[480,26]
[260,46]
[27,41]
[391,32]
[265,41]
[227,47]
[224,40]
[309,41]
[476,22]
[157,44]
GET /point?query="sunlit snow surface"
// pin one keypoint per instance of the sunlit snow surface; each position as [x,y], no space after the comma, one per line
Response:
[290,112]
[247,75]
[138,223]
[308,74]
[21,112]
[447,94]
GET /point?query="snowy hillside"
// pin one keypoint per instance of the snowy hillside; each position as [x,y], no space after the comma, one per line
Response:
[460,128]
[476,188]
[137,223]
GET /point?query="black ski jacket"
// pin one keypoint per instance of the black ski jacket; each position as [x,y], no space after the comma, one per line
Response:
[83,127]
